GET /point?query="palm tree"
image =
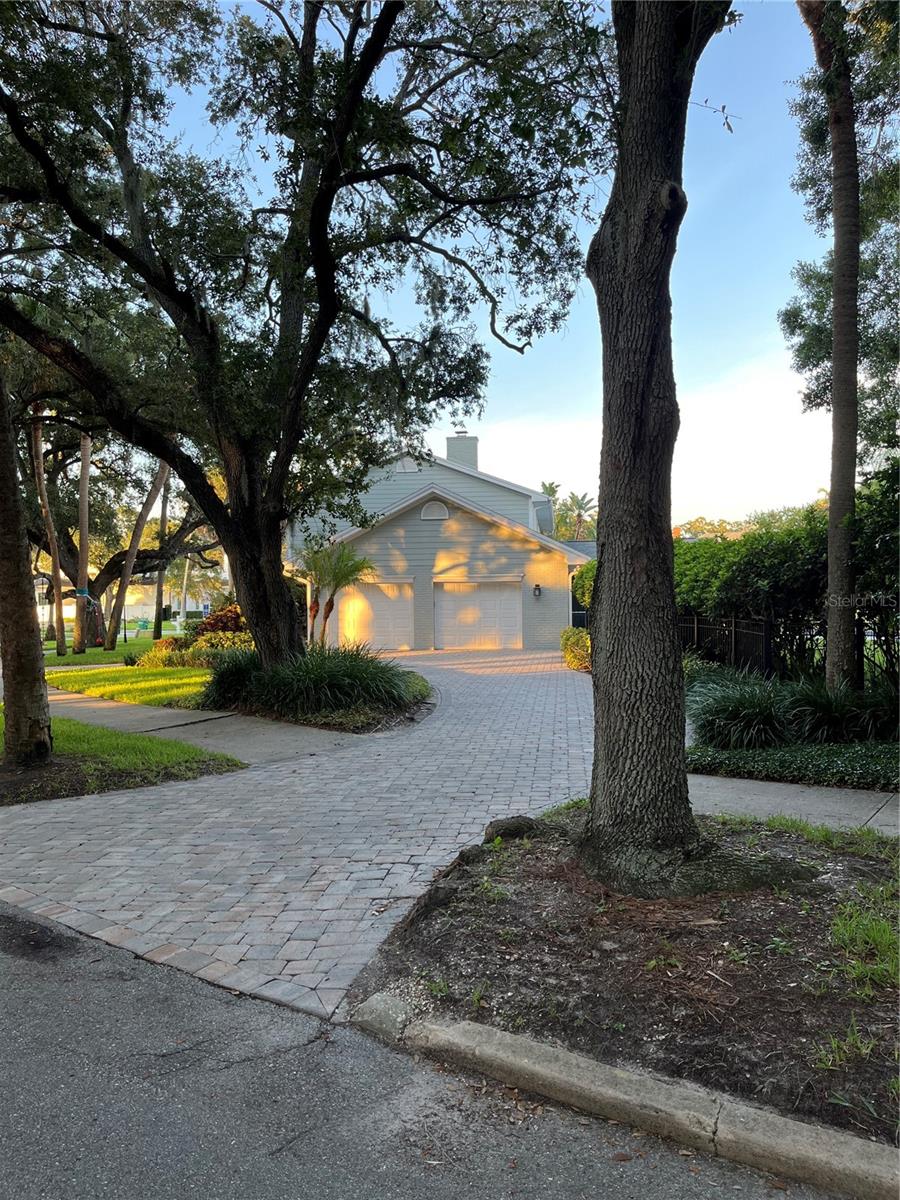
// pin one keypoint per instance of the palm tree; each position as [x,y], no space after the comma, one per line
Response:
[582,509]
[327,570]
[551,490]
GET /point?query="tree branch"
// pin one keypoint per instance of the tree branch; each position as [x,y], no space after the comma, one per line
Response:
[111,404]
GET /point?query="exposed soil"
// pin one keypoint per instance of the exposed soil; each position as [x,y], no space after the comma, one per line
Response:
[69,775]
[741,993]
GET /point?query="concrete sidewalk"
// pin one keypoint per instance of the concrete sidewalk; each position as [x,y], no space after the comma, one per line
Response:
[253,740]
[841,808]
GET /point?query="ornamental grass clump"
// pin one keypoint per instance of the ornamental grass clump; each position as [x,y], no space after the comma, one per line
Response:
[746,712]
[815,714]
[325,679]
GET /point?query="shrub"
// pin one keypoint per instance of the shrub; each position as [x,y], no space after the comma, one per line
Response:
[227,619]
[326,679]
[743,713]
[576,648]
[130,658]
[860,765]
[165,652]
[229,684]
[583,583]
[700,670]
[816,714]
[226,640]
[190,628]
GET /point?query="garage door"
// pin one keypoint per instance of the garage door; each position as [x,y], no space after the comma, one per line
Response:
[378,613]
[478,616]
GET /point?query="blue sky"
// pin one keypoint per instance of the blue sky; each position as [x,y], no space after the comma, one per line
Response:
[745,444]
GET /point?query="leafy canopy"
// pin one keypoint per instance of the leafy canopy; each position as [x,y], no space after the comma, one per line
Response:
[245,310]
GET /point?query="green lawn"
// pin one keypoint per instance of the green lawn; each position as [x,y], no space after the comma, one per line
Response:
[173,687]
[88,758]
[96,654]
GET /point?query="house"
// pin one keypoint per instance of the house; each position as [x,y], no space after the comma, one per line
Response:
[462,560]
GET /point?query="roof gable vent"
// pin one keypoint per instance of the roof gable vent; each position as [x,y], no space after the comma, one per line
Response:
[435,510]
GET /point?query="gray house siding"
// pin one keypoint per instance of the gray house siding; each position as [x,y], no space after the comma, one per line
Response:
[390,487]
[466,547]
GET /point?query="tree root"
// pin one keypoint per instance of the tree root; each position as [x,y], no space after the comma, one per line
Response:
[654,872]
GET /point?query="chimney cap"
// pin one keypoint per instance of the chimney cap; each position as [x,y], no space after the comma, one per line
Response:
[460,430]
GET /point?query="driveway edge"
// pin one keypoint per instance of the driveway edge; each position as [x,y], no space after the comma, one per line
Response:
[695,1116]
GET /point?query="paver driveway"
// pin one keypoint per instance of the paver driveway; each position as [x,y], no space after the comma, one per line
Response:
[282,879]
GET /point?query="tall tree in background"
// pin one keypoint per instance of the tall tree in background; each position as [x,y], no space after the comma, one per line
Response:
[827,24]
[26,737]
[641,836]
[82,598]
[112,629]
[37,456]
[582,509]
[443,146]
[161,574]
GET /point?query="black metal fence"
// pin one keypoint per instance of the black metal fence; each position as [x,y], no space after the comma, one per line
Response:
[734,641]
[791,648]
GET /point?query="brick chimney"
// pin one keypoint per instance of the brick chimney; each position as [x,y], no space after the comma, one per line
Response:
[462,448]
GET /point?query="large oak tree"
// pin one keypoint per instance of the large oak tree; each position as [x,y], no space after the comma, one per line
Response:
[438,149]
[641,835]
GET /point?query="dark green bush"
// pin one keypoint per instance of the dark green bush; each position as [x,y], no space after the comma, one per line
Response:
[576,648]
[815,714]
[229,684]
[325,679]
[853,765]
[745,712]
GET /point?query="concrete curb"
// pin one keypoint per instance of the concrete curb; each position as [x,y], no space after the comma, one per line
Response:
[684,1112]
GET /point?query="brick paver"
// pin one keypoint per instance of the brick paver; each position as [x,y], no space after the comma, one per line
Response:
[281,880]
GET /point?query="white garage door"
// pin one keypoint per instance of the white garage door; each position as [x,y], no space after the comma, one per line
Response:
[478,616]
[378,613]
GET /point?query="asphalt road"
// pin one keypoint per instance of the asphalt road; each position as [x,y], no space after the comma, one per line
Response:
[124,1079]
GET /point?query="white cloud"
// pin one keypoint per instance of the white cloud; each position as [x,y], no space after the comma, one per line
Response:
[745,445]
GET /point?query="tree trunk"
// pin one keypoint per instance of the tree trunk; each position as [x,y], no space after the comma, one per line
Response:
[326,613]
[263,594]
[826,24]
[112,632]
[82,600]
[27,738]
[313,612]
[37,450]
[161,574]
[185,579]
[640,831]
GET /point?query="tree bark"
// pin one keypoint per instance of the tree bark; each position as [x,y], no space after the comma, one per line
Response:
[112,631]
[161,574]
[263,594]
[182,615]
[37,450]
[640,830]
[27,739]
[826,24]
[82,600]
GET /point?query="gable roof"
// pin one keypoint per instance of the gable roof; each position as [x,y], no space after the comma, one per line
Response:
[455,466]
[435,492]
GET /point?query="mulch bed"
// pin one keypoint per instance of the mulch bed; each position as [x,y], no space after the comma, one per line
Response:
[70,776]
[738,992]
